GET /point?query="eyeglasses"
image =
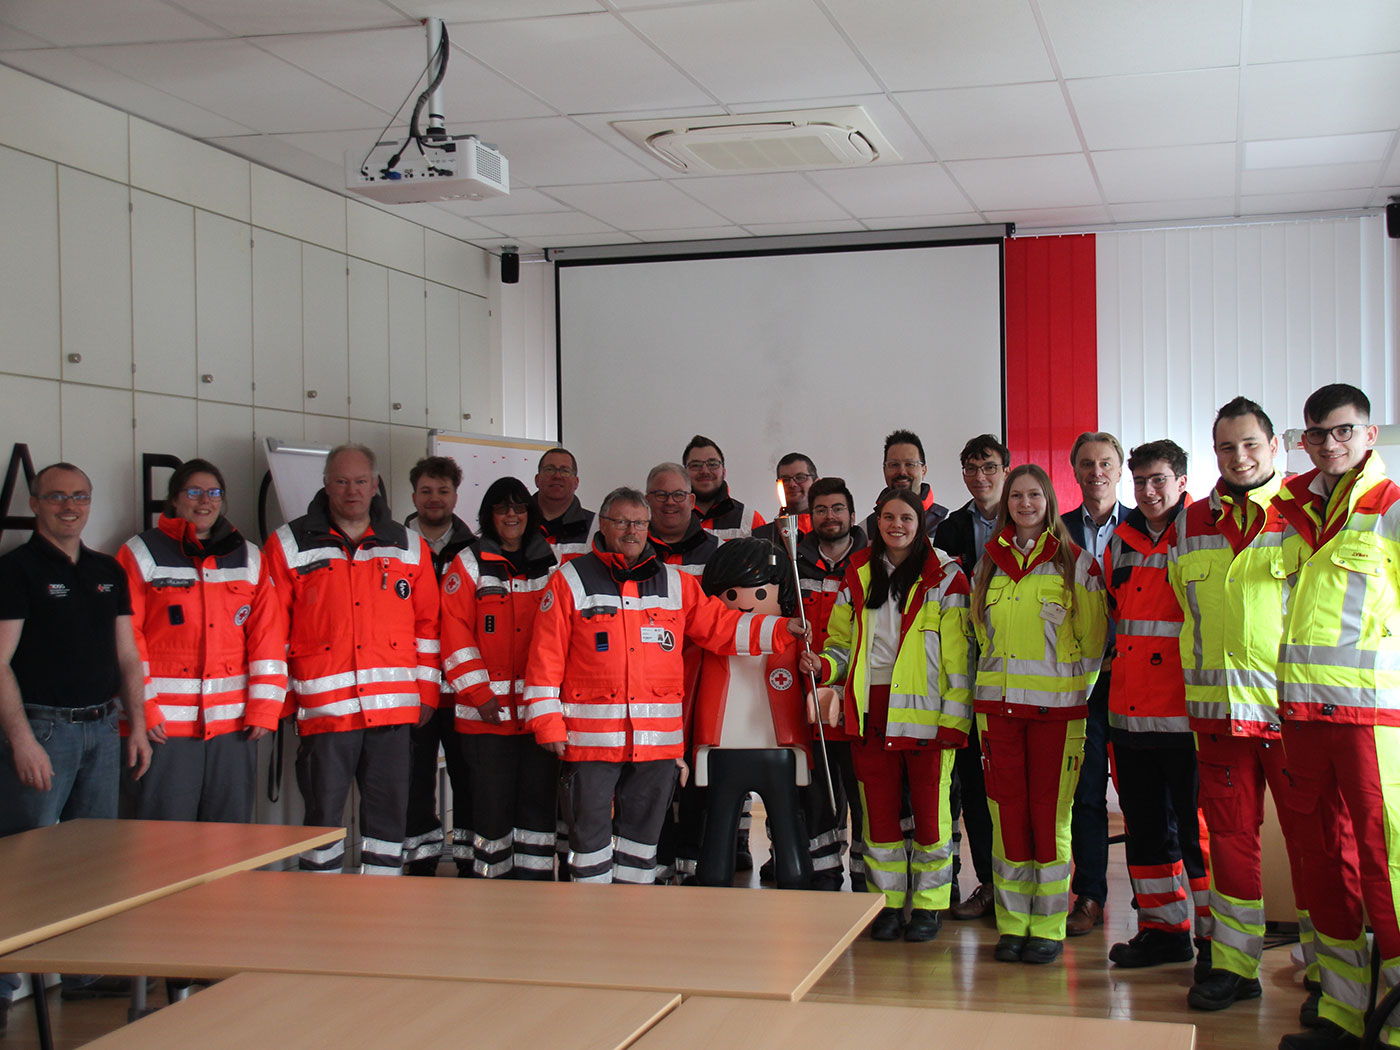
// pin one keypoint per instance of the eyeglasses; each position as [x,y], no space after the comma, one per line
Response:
[796,479]
[704,464]
[1154,481]
[905,464]
[658,496]
[1341,432]
[627,524]
[510,508]
[562,472]
[824,510]
[57,499]
[971,470]
[193,494]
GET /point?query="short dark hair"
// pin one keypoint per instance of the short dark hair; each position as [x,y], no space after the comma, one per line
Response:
[1166,451]
[511,490]
[701,441]
[793,457]
[34,484]
[551,451]
[181,478]
[831,487]
[1243,406]
[444,467]
[984,445]
[904,437]
[1325,400]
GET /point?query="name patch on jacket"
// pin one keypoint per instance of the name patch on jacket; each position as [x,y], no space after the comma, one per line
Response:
[659,636]
[403,589]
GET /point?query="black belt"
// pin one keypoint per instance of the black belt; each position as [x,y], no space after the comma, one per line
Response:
[71,714]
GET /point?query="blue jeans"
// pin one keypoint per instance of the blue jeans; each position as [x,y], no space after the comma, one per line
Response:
[86,759]
[1089,817]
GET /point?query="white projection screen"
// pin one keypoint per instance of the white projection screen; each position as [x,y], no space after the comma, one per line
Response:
[822,353]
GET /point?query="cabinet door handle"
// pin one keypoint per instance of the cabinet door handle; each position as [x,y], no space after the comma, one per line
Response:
[207,377]
[311,394]
[398,405]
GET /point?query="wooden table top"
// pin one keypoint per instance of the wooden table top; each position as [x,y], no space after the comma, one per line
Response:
[372,1013]
[708,1023]
[689,939]
[67,875]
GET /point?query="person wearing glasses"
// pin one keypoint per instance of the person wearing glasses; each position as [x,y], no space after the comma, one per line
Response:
[905,468]
[490,595]
[566,524]
[605,683]
[718,512]
[796,472]
[676,533]
[1039,611]
[964,534]
[205,620]
[1339,697]
[1154,750]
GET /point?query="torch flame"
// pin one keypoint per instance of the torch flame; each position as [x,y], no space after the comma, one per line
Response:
[782,497]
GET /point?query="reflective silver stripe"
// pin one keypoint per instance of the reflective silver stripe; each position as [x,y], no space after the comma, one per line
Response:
[485,845]
[1329,656]
[1235,710]
[1007,900]
[1353,606]
[244,574]
[741,632]
[206,687]
[350,706]
[297,559]
[1151,628]
[596,739]
[1191,544]
[588,860]
[142,555]
[1367,697]
[1235,677]
[648,738]
[382,847]
[470,679]
[1050,903]
[765,633]
[409,555]
[541,692]
[608,711]
[429,674]
[461,656]
[532,862]
[534,838]
[427,645]
[265,667]
[179,712]
[223,712]
[266,692]
[631,847]
[1148,724]
[540,708]
[364,676]
[493,871]
[637,710]
[1250,945]
[388,701]
[467,713]
[1014,872]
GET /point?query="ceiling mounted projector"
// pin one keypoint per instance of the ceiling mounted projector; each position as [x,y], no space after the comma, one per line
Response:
[450,169]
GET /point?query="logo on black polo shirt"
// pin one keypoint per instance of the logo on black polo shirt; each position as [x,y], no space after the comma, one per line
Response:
[58,590]
[106,588]
[402,589]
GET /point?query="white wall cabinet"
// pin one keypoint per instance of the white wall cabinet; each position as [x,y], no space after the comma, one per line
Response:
[223,308]
[162,295]
[368,314]
[443,365]
[408,373]
[323,332]
[94,244]
[97,436]
[277,370]
[481,374]
[29,278]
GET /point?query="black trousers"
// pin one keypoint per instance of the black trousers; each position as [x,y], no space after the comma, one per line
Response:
[976,817]
[825,827]
[626,801]
[376,760]
[772,772]
[423,833]
[196,779]
[513,805]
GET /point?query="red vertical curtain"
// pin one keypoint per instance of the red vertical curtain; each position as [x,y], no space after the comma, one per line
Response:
[1051,353]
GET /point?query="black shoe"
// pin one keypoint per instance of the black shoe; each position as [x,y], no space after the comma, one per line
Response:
[1307,1013]
[1152,947]
[4,1015]
[1221,989]
[1204,967]
[923,925]
[1311,985]
[1326,1036]
[767,871]
[427,866]
[888,925]
[104,988]
[1040,950]
[830,881]
[1009,948]
[743,858]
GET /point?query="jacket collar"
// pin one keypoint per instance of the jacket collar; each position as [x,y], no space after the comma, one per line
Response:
[1262,495]
[223,537]
[1004,553]
[382,526]
[647,566]
[809,547]
[536,556]
[694,536]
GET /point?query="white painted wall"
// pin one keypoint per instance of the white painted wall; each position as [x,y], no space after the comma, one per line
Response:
[160,295]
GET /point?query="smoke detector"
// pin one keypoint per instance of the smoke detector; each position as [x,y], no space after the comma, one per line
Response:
[793,140]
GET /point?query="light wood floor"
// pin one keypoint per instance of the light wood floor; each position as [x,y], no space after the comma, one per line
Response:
[955,970]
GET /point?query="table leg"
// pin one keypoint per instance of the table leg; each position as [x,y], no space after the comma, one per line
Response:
[41,1010]
[138,1000]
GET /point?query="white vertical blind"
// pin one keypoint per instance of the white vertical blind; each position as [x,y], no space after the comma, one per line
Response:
[1190,318]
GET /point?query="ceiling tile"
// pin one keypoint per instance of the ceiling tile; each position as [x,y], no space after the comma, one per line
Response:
[550,224]
[12,39]
[1370,146]
[555,151]
[1008,121]
[1104,37]
[381,66]
[639,205]
[700,233]
[332,145]
[581,63]
[438,218]
[915,222]
[897,189]
[1206,208]
[1062,181]
[1283,30]
[240,82]
[1042,218]
[76,73]
[73,24]
[914,44]
[785,229]
[1333,96]
[494,10]
[1133,175]
[791,49]
[747,199]
[260,17]
[517,202]
[1157,109]
[584,240]
[1289,203]
[893,124]
[1303,180]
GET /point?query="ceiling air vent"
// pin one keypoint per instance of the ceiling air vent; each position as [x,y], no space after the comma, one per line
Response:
[817,138]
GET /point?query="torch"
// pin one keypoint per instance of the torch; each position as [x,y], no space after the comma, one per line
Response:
[787,527]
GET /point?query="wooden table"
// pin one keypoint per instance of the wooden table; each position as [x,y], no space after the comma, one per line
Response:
[64,876]
[372,1013]
[694,940]
[709,1023]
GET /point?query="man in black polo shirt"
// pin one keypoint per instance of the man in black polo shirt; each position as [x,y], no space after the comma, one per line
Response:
[67,652]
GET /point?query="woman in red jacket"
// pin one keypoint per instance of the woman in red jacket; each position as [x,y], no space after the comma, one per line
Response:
[489,598]
[216,677]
